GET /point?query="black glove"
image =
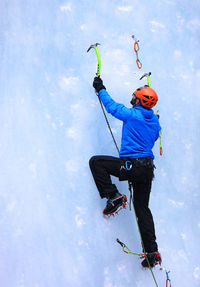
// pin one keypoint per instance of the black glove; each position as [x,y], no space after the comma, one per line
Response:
[98,84]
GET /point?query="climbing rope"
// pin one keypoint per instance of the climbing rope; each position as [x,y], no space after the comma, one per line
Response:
[108,124]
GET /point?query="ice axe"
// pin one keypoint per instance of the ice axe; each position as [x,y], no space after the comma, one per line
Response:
[95,47]
[148,78]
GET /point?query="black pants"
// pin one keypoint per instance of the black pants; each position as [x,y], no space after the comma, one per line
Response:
[140,173]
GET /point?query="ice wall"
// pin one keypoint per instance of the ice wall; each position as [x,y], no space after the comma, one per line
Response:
[52,233]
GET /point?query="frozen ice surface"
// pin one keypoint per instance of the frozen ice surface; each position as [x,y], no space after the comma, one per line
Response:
[52,233]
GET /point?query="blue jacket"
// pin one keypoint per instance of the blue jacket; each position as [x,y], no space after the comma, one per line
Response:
[140,127]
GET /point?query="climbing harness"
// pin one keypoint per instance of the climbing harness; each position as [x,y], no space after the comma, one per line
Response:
[136,49]
[127,165]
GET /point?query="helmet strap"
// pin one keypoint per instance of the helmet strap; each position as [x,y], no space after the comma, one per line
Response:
[133,102]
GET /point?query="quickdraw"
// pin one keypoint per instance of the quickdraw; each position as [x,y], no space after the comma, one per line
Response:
[160,136]
[144,255]
[168,280]
[161,149]
[128,251]
[136,49]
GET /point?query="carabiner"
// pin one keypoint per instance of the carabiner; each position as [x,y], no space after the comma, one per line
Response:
[139,64]
[136,46]
[128,165]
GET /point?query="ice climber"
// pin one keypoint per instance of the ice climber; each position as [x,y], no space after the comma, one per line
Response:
[135,163]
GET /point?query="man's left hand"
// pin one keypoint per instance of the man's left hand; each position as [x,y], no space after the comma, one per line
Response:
[98,84]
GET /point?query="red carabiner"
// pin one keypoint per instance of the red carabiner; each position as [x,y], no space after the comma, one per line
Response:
[139,64]
[168,280]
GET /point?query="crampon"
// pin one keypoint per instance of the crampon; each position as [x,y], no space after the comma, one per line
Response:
[113,207]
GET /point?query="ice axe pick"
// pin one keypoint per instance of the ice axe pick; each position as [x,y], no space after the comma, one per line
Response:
[148,78]
[95,47]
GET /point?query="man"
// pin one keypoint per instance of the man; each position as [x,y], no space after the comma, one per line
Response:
[135,163]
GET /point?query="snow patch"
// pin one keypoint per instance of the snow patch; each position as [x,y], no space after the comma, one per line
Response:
[72,166]
[66,8]
[177,53]
[94,103]
[32,168]
[73,133]
[11,206]
[168,2]
[183,236]
[75,107]
[48,116]
[78,217]
[18,232]
[121,268]
[124,8]
[183,255]
[188,146]
[177,116]
[54,126]
[156,26]
[107,280]
[196,272]
[175,203]
[193,25]
[83,27]
[22,101]
[69,83]
[79,221]
[163,172]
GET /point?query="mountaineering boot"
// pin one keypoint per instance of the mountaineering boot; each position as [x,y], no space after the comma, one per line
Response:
[154,258]
[119,200]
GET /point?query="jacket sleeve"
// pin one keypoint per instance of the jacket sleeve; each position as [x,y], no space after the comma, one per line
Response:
[119,111]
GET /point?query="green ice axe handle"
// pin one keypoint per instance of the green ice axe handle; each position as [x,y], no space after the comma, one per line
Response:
[98,57]
[148,81]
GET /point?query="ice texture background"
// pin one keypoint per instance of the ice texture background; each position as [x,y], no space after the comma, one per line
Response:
[52,233]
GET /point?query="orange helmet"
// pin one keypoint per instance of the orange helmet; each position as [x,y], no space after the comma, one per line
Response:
[147,96]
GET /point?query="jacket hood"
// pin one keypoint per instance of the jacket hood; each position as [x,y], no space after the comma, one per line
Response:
[147,113]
